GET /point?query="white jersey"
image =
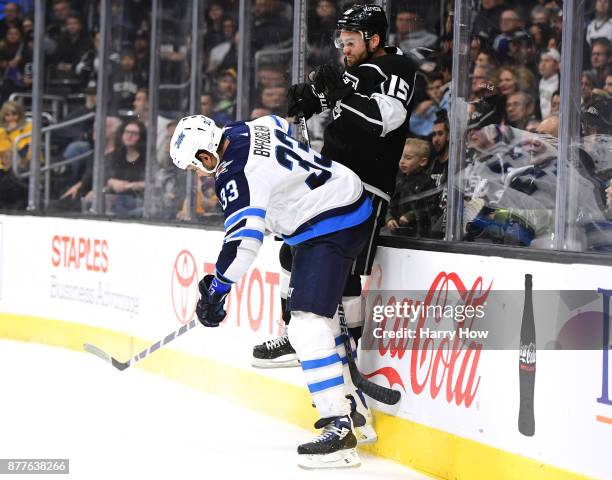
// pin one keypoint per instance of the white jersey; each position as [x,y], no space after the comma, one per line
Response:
[267,180]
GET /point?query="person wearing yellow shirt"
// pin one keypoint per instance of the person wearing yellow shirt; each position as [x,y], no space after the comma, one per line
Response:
[13,124]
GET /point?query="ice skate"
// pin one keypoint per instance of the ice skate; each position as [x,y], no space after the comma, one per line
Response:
[275,353]
[333,448]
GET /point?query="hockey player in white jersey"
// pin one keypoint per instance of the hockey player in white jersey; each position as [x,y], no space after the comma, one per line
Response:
[266,180]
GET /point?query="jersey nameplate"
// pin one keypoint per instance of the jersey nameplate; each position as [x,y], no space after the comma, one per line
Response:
[261,143]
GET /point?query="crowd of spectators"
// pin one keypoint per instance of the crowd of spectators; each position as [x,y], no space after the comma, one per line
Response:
[515,77]
[509,168]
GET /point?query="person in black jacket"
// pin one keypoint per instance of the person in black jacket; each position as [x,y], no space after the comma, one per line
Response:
[410,207]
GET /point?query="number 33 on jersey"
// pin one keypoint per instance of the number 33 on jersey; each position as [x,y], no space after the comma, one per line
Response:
[267,180]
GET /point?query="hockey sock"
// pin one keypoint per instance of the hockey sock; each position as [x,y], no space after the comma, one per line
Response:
[312,336]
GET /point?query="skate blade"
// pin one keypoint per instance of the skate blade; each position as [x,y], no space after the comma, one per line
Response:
[286,361]
[365,435]
[341,459]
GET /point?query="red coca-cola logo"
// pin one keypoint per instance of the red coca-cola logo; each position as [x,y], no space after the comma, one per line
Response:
[184,286]
[448,366]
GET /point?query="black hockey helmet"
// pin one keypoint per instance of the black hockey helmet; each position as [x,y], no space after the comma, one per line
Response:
[367,19]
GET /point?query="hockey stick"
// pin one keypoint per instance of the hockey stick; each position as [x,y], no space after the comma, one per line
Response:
[379,393]
[98,352]
[303,129]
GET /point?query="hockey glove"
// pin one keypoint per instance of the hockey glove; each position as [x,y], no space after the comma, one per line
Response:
[301,99]
[210,309]
[328,80]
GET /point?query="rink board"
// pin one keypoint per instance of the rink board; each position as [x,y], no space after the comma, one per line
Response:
[122,286]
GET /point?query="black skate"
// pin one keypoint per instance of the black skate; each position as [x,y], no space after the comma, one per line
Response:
[275,353]
[333,448]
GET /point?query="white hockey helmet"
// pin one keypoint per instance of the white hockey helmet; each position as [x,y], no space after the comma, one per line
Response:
[193,134]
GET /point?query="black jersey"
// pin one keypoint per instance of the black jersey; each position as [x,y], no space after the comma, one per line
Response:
[370,126]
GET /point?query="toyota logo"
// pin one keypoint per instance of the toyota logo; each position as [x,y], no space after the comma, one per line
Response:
[184,286]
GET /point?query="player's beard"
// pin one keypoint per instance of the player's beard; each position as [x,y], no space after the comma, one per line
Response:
[358,60]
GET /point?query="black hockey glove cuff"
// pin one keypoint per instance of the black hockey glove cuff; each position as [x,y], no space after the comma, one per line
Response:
[302,99]
[328,80]
[210,309]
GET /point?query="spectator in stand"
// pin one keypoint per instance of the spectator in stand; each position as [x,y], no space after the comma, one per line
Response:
[411,33]
[438,171]
[270,25]
[27,25]
[484,86]
[321,27]
[214,27]
[173,57]
[608,84]
[550,81]
[126,171]
[532,125]
[125,82]
[12,18]
[601,60]
[507,82]
[424,115]
[274,99]
[272,75]
[476,45]
[587,83]
[557,30]
[86,68]
[523,52]
[70,200]
[486,59]
[481,81]
[486,23]
[540,15]
[206,200]
[555,103]
[409,212]
[208,108]
[226,96]
[509,24]
[540,35]
[601,25]
[13,191]
[11,50]
[223,52]
[71,45]
[57,25]
[207,105]
[519,110]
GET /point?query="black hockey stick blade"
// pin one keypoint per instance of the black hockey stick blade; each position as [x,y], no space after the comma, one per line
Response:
[98,352]
[377,392]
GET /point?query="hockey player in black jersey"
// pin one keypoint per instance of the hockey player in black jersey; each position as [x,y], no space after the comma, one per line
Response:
[371,101]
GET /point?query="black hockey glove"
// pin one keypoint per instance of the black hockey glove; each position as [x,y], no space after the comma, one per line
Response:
[328,80]
[210,309]
[301,99]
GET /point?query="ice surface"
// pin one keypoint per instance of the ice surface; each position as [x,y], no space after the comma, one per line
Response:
[56,403]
